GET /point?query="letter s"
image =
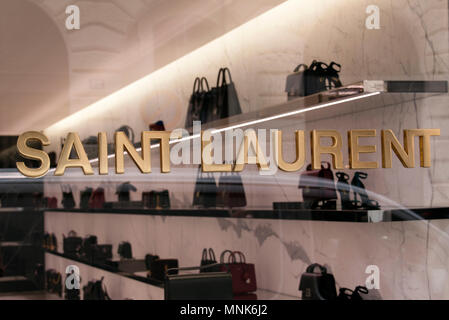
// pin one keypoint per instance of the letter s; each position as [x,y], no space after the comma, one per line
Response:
[33,154]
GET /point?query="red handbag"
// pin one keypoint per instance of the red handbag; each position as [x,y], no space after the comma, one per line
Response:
[52,203]
[243,274]
[318,184]
[97,199]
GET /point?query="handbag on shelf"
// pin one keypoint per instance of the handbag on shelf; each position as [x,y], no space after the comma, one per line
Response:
[317,77]
[159,268]
[68,202]
[149,258]
[51,202]
[123,191]
[157,126]
[156,199]
[231,192]
[243,274]
[317,285]
[72,244]
[318,185]
[125,250]
[204,285]
[95,290]
[206,190]
[88,247]
[85,197]
[97,199]
[208,258]
[53,282]
[224,101]
[198,101]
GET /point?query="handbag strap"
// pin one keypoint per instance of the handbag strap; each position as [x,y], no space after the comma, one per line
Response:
[331,67]
[311,268]
[206,83]
[299,67]
[196,85]
[212,255]
[204,254]
[231,254]
[72,234]
[222,76]
[241,256]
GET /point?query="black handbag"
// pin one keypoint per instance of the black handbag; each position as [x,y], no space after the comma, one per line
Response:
[224,101]
[208,258]
[95,290]
[231,192]
[72,244]
[206,190]
[53,282]
[125,250]
[198,102]
[156,199]
[85,197]
[123,191]
[159,268]
[198,286]
[68,202]
[317,285]
[87,250]
[318,77]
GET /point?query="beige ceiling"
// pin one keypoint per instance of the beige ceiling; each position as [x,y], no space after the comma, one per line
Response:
[48,72]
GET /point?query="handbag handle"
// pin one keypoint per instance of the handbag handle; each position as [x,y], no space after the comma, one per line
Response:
[332,64]
[204,254]
[231,254]
[241,256]
[212,254]
[196,85]
[222,74]
[311,268]
[204,81]
[299,67]
[71,234]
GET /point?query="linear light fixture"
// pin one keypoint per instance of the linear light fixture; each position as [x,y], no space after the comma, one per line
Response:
[240,125]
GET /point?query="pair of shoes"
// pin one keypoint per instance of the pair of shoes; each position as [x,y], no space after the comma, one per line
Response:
[358,189]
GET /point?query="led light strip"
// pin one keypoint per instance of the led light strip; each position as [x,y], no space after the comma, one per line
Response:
[240,125]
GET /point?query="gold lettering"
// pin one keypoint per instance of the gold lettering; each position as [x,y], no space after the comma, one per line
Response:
[207,160]
[73,140]
[405,154]
[334,149]
[33,154]
[102,153]
[300,151]
[355,149]
[424,144]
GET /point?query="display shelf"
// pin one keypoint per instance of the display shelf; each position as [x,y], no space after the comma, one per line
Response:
[369,94]
[139,276]
[108,268]
[367,216]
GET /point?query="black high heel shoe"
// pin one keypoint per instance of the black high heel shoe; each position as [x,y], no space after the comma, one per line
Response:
[359,188]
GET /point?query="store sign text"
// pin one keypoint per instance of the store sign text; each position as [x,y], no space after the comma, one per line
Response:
[249,150]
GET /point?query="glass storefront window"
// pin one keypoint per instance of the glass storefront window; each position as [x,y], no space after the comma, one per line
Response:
[272,142]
